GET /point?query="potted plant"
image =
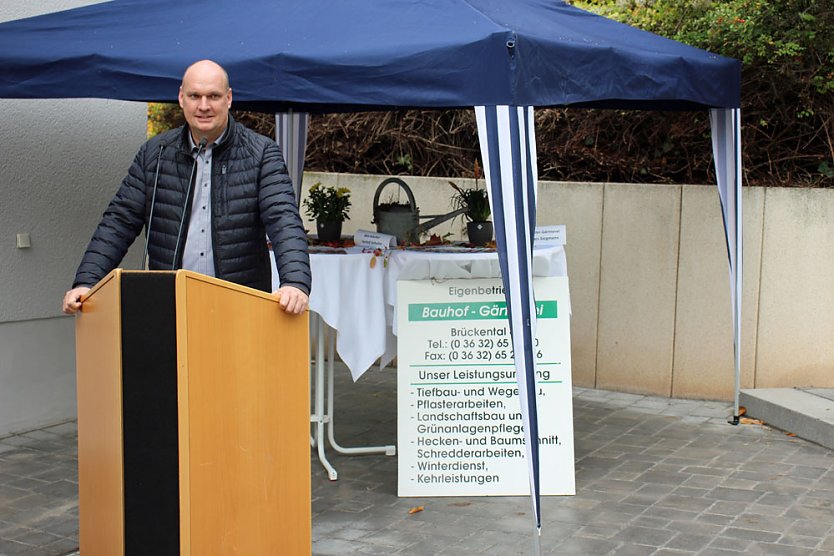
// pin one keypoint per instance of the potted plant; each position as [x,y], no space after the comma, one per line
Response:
[328,206]
[476,204]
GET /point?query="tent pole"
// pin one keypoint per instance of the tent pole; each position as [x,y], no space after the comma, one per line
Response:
[726,146]
[736,113]
[291,136]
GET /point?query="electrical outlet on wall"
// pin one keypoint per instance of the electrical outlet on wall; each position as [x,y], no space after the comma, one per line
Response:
[24,241]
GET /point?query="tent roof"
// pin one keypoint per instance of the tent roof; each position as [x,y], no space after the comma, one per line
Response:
[325,55]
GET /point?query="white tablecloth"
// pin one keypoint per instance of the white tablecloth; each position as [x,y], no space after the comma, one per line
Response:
[359,301]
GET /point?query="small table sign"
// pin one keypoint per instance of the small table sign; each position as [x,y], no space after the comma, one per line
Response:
[550,235]
[374,240]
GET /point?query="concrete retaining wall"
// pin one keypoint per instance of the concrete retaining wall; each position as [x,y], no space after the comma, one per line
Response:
[650,286]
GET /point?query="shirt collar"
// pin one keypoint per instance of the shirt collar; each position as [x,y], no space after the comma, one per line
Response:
[193,146]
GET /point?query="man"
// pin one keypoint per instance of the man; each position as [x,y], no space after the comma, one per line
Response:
[240,193]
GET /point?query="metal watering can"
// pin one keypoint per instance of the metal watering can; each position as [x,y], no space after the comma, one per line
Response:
[403,221]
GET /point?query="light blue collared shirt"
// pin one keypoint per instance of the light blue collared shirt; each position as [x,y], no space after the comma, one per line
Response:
[198,253]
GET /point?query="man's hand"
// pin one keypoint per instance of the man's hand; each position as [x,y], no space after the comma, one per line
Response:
[72,299]
[291,299]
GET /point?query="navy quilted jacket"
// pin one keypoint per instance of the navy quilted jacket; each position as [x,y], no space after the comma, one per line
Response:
[252,197]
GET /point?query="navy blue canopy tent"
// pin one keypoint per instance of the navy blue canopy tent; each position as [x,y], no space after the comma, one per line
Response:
[503,58]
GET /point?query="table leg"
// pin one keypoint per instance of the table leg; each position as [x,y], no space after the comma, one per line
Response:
[329,418]
[319,418]
[312,372]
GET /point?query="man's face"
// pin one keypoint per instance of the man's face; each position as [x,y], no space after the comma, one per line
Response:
[205,98]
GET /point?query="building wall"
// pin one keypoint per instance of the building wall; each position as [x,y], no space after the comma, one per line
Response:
[60,163]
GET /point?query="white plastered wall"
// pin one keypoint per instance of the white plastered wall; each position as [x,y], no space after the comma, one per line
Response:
[60,163]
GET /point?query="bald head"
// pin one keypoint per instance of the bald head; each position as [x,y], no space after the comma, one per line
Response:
[205,99]
[205,68]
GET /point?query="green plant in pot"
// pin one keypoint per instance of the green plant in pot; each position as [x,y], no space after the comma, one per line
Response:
[476,203]
[328,206]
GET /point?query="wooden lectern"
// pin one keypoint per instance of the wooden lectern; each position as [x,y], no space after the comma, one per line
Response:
[193,419]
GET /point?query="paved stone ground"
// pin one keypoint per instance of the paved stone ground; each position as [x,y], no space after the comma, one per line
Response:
[654,476]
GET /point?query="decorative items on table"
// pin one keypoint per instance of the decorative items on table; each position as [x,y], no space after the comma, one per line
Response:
[328,206]
[475,205]
[402,220]
[396,218]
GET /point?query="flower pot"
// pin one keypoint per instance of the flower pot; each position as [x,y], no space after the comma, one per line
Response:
[480,233]
[329,231]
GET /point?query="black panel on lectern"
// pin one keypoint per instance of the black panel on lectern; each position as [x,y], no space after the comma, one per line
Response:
[149,394]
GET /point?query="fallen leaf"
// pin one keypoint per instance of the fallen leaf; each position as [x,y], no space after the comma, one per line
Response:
[742,411]
[790,434]
[749,421]
[416,509]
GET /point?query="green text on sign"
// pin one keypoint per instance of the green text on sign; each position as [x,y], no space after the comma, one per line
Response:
[486,310]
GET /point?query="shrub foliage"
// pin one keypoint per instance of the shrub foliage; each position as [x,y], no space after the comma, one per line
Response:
[787,47]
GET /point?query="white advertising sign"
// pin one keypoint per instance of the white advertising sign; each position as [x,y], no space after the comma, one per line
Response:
[459,427]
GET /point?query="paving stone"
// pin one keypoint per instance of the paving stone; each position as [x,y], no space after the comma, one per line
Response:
[597,531]
[704,470]
[645,536]
[778,549]
[690,491]
[730,543]
[714,519]
[662,477]
[695,527]
[827,544]
[810,512]
[21,441]
[686,503]
[10,547]
[9,494]
[688,542]
[57,473]
[586,546]
[801,541]
[712,551]
[812,528]
[67,429]
[333,547]
[671,552]
[651,522]
[808,472]
[36,537]
[734,494]
[670,513]
[58,489]
[634,549]
[762,523]
[393,538]
[750,534]
[778,500]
